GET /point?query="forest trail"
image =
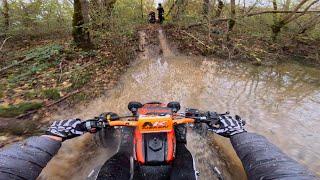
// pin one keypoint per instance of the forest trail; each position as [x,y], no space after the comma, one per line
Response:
[263,96]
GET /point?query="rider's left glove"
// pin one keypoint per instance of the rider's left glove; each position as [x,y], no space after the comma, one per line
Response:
[66,129]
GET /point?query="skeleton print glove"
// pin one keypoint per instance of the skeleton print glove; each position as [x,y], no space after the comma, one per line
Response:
[229,126]
[66,129]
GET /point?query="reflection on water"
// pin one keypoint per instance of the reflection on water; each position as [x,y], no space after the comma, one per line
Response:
[279,102]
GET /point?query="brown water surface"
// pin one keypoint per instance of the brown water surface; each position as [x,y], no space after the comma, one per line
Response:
[281,103]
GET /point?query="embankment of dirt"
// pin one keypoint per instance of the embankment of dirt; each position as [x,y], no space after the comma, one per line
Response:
[79,77]
[244,48]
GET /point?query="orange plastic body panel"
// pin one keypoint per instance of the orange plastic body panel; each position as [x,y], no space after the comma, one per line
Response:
[171,140]
[136,123]
[123,123]
[138,140]
[153,124]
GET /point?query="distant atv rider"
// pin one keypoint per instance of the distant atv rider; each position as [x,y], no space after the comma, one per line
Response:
[160,13]
[152,17]
[260,158]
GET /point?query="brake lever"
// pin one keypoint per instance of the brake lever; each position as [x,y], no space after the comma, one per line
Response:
[209,117]
[93,125]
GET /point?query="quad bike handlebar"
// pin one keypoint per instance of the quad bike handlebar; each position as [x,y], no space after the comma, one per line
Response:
[189,116]
[135,123]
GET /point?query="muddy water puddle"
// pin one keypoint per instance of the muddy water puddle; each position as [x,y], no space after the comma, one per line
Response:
[281,103]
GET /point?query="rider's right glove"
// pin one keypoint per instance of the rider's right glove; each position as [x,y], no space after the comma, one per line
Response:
[228,126]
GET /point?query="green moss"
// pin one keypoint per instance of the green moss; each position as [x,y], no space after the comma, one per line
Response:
[52,94]
[45,53]
[15,110]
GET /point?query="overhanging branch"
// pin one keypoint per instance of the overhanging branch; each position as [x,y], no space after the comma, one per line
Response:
[281,12]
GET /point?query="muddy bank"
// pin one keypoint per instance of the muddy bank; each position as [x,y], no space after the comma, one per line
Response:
[255,50]
[62,78]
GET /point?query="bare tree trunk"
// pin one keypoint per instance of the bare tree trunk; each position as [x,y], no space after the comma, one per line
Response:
[213,4]
[232,20]
[108,6]
[205,8]
[100,13]
[220,7]
[95,13]
[6,14]
[85,10]
[275,27]
[80,34]
[275,8]
[141,6]
[287,5]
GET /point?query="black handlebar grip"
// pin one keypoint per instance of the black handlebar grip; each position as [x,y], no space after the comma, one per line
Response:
[81,127]
[91,125]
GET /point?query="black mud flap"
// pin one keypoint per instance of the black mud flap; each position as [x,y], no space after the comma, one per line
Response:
[152,172]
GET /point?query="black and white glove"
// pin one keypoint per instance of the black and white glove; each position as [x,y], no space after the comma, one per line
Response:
[228,126]
[66,129]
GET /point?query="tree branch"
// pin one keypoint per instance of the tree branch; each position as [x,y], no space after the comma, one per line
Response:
[4,42]
[311,23]
[173,5]
[304,11]
[251,7]
[296,9]
[281,12]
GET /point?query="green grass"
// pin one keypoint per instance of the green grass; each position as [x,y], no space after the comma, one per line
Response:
[15,110]
[31,94]
[79,97]
[79,78]
[52,94]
